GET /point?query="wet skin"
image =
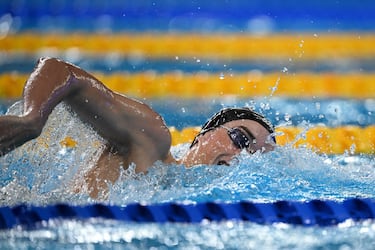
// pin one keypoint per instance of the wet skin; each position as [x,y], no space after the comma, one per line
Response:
[133,131]
[216,148]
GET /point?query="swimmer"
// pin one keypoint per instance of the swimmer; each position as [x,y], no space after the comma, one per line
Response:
[133,131]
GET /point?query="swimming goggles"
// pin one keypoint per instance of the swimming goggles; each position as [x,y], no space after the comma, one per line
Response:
[240,136]
[232,114]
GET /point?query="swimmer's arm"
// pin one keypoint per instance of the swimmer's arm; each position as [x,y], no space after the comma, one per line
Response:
[131,127]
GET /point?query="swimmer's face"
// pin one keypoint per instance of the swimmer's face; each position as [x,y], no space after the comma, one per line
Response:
[218,146]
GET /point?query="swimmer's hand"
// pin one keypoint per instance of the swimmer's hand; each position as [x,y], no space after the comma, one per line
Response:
[15,131]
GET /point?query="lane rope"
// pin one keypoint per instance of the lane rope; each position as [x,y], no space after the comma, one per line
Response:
[297,47]
[203,84]
[310,213]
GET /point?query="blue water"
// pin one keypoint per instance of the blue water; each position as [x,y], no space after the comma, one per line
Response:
[285,174]
[228,235]
[280,111]
[196,16]
[43,169]
[37,175]
[42,175]
[92,63]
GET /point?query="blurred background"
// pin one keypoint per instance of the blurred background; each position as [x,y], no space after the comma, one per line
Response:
[297,62]
[308,66]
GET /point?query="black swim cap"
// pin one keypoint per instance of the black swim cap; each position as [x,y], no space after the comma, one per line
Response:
[232,114]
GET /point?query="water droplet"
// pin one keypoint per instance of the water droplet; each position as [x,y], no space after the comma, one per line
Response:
[221,77]
[177,57]
[317,105]
[265,106]
[274,88]
[198,60]
[183,110]
[285,69]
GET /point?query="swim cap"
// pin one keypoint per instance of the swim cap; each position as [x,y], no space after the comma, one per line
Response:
[232,114]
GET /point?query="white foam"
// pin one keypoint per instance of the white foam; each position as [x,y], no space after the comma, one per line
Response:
[44,165]
[38,174]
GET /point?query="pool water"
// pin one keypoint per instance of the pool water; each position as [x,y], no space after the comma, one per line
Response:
[41,171]
[325,50]
[38,175]
[98,234]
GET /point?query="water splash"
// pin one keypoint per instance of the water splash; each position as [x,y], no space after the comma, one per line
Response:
[284,174]
[109,234]
[42,175]
[42,170]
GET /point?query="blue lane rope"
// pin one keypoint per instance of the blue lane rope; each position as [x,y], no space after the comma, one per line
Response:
[235,9]
[310,213]
[166,14]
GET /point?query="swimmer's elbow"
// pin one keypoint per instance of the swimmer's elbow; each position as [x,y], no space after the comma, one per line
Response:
[49,60]
[53,64]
